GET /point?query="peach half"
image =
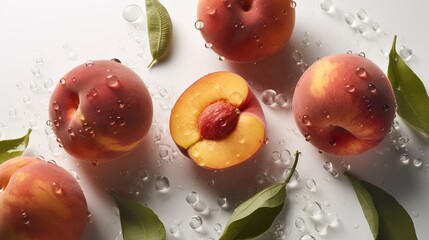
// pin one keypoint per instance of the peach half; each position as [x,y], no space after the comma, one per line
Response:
[40,201]
[218,121]
[100,110]
[344,104]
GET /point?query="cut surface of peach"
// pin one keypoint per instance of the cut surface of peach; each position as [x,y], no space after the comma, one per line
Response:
[244,140]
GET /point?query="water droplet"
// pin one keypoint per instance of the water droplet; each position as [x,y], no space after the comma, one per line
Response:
[12,113]
[33,86]
[306,120]
[332,142]
[361,72]
[94,163]
[403,141]
[36,71]
[164,152]
[415,214]
[307,237]
[1,188]
[227,3]
[334,173]
[307,137]
[281,100]
[24,217]
[221,58]
[268,97]
[300,223]
[285,156]
[297,56]
[417,162]
[210,10]
[326,5]
[112,81]
[386,107]
[217,228]
[328,166]
[208,45]
[162,184]
[355,226]
[404,158]
[120,120]
[405,53]
[199,25]
[89,63]
[372,88]
[48,83]
[26,99]
[132,13]
[349,19]
[362,29]
[310,185]
[305,41]
[294,180]
[293,4]
[196,222]
[313,209]
[192,198]
[362,15]
[56,187]
[174,230]
[275,156]
[326,114]
[376,27]
[222,202]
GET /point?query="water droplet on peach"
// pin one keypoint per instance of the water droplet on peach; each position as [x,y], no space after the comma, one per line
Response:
[227,3]
[89,63]
[56,187]
[293,4]
[372,88]
[306,120]
[210,10]
[361,72]
[112,81]
[307,137]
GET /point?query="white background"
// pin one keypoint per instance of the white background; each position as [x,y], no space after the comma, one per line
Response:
[51,37]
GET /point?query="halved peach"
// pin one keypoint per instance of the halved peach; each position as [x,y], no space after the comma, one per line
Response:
[218,121]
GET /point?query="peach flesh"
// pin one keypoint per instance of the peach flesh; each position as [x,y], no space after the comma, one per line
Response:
[218,120]
[215,91]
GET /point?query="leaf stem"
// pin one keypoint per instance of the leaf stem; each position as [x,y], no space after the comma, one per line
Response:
[292,170]
[151,63]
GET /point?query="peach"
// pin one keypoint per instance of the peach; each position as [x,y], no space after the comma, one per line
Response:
[40,201]
[246,30]
[344,104]
[100,111]
[218,122]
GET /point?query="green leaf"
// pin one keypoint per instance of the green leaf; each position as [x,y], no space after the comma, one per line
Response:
[13,147]
[411,96]
[394,223]
[256,215]
[138,221]
[367,204]
[160,30]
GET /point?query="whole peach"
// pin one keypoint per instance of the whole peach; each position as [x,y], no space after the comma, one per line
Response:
[344,104]
[100,110]
[40,201]
[246,30]
[218,121]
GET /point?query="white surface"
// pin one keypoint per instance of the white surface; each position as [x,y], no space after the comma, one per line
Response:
[67,33]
